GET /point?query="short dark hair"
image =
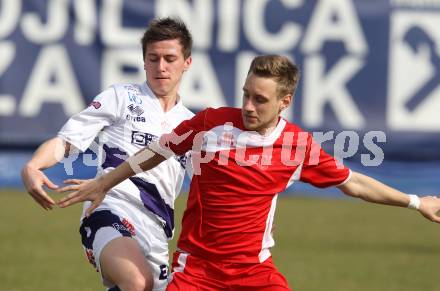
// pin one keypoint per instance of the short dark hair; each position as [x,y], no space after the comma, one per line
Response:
[279,68]
[167,29]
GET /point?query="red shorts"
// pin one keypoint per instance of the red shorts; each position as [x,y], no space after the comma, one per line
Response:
[193,273]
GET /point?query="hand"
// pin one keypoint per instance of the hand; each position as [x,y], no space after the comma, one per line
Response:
[83,190]
[34,180]
[429,207]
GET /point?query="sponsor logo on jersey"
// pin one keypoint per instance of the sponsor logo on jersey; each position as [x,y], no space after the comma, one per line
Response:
[142,138]
[134,98]
[135,110]
[95,104]
[135,118]
[163,272]
[129,226]
[119,227]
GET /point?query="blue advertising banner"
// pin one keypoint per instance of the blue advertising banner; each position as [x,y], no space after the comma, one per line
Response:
[370,69]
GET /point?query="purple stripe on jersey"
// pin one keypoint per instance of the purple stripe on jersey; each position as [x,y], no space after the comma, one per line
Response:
[113,157]
[152,200]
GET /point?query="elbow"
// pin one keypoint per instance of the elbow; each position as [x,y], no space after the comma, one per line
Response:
[350,192]
[352,187]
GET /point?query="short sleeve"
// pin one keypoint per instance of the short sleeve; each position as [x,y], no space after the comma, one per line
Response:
[321,169]
[185,137]
[82,128]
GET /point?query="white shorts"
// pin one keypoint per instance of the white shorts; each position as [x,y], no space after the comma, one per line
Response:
[117,218]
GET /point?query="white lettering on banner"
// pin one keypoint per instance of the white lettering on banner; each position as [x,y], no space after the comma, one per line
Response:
[334,20]
[7,105]
[9,15]
[416,3]
[112,31]
[85,26]
[200,18]
[57,23]
[414,72]
[321,88]
[330,21]
[52,80]
[7,102]
[259,37]
[244,59]
[228,25]
[113,63]
[200,87]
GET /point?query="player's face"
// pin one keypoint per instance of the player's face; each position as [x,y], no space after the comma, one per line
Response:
[261,106]
[164,65]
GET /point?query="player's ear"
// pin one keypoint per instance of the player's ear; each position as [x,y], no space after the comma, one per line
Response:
[285,101]
[188,63]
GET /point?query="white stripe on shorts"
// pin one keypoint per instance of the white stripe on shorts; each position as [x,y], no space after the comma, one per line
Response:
[181,261]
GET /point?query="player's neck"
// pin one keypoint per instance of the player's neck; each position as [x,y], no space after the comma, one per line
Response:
[269,128]
[168,102]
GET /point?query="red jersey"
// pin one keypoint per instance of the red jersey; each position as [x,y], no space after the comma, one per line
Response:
[237,177]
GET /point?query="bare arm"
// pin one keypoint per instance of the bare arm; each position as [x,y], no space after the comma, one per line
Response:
[47,155]
[95,190]
[371,190]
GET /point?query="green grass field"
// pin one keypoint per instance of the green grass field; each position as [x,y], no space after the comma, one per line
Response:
[321,244]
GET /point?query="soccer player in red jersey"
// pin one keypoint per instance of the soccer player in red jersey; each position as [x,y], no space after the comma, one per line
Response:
[242,159]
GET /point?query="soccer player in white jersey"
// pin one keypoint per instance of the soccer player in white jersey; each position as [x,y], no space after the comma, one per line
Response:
[126,118]
[242,159]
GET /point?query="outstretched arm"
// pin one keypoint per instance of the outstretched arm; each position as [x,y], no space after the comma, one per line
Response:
[95,190]
[179,141]
[371,190]
[47,155]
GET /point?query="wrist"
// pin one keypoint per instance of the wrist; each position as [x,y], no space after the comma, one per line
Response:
[29,170]
[32,166]
[414,202]
[103,184]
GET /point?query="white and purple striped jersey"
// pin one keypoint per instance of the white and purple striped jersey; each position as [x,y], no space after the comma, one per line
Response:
[122,120]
